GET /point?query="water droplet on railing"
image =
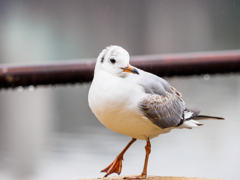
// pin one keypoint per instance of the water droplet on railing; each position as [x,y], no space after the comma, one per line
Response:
[20,88]
[31,88]
[206,77]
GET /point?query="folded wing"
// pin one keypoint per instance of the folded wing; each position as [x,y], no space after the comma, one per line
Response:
[162,104]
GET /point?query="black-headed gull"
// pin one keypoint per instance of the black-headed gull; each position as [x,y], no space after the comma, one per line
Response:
[136,103]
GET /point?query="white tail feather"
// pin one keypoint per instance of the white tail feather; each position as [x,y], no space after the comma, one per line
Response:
[190,124]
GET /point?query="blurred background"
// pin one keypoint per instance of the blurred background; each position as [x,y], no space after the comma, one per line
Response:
[49,132]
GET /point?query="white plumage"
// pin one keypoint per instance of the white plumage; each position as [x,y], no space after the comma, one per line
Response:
[133,102]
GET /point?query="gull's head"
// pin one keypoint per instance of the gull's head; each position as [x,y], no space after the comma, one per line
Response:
[115,60]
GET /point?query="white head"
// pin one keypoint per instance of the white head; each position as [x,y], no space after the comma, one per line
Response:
[115,60]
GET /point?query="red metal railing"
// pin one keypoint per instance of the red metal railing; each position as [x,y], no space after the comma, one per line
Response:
[182,64]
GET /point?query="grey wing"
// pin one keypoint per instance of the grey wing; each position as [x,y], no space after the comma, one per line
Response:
[153,84]
[162,104]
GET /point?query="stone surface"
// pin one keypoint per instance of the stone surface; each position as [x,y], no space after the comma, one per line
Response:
[152,178]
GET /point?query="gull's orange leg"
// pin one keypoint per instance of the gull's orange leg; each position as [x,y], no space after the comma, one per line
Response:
[116,165]
[144,173]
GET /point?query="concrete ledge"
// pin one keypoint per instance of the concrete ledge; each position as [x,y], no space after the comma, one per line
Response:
[152,178]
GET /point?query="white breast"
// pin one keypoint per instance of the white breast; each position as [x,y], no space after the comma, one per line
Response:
[116,106]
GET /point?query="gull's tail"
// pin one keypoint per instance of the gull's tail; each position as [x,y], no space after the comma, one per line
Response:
[190,115]
[194,114]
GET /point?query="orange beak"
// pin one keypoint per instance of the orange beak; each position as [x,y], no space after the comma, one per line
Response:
[130,69]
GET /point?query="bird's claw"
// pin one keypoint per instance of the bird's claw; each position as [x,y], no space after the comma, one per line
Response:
[114,167]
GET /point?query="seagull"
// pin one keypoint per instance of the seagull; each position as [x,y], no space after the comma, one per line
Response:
[136,103]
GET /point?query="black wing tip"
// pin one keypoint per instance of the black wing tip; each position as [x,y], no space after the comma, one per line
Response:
[220,118]
[199,117]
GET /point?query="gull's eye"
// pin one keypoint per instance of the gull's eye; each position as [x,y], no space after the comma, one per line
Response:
[113,61]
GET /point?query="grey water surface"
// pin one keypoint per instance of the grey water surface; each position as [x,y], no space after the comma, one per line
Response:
[52,134]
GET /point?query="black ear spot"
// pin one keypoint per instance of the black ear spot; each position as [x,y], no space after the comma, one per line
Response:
[113,61]
[102,59]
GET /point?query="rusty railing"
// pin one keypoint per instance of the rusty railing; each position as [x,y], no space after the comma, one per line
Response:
[182,64]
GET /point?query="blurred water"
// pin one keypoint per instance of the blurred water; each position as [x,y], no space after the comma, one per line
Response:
[78,146]
[50,132]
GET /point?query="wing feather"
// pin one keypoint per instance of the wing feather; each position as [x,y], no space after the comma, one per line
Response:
[163,110]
